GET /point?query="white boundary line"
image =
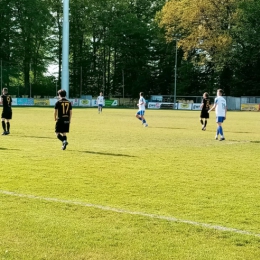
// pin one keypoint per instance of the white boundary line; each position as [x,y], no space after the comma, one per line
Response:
[118,210]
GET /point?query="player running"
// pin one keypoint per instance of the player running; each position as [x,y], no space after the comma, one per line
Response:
[141,111]
[205,106]
[62,116]
[220,107]
[7,111]
[100,102]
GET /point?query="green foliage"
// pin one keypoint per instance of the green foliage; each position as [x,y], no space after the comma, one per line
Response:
[223,35]
[132,43]
[246,57]
[25,39]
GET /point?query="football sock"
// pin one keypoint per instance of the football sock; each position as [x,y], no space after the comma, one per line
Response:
[8,126]
[3,125]
[221,130]
[218,130]
[64,138]
[60,137]
[140,118]
[144,121]
[205,123]
[201,121]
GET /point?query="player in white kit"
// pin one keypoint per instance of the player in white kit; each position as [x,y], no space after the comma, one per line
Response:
[141,111]
[220,106]
[100,102]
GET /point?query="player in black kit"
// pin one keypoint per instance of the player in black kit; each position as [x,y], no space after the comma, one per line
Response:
[7,111]
[205,106]
[62,116]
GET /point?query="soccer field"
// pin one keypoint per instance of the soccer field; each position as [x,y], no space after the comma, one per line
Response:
[123,191]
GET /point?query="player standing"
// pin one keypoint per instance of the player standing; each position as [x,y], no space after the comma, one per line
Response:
[7,111]
[220,107]
[205,106]
[141,111]
[100,102]
[62,116]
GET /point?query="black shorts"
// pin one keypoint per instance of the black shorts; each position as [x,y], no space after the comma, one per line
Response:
[7,113]
[204,114]
[62,126]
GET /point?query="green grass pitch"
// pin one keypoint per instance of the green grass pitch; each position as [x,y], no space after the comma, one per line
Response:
[117,189]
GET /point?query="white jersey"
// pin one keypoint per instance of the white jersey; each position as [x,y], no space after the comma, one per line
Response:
[220,106]
[100,100]
[141,107]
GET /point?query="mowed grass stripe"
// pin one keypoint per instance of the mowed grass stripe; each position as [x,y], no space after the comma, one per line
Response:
[117,210]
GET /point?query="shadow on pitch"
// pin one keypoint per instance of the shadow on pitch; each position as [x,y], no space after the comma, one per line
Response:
[6,149]
[255,142]
[165,127]
[241,132]
[110,154]
[39,137]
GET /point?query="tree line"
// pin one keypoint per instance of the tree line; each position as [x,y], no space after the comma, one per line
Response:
[123,47]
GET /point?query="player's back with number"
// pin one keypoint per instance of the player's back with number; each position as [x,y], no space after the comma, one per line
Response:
[206,105]
[63,106]
[7,101]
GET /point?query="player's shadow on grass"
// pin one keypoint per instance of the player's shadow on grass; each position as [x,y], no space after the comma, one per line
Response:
[39,137]
[255,142]
[110,154]
[5,149]
[166,127]
[240,132]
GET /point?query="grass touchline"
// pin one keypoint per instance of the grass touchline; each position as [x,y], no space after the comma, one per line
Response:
[117,210]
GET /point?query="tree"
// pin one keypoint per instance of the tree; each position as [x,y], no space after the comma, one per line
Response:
[33,20]
[205,27]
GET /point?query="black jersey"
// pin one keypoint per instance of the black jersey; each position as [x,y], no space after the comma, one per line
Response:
[206,104]
[7,101]
[64,107]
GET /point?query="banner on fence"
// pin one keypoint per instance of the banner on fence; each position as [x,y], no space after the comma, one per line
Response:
[94,103]
[154,105]
[25,102]
[184,106]
[42,102]
[53,101]
[74,101]
[250,107]
[196,106]
[85,102]
[167,105]
[111,103]
[161,105]
[14,101]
